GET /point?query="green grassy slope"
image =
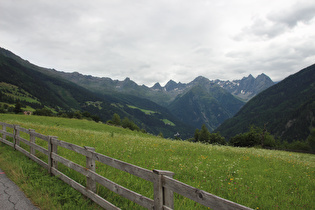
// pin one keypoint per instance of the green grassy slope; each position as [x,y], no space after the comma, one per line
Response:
[260,179]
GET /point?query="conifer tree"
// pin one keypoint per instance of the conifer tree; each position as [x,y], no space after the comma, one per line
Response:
[203,134]
[116,119]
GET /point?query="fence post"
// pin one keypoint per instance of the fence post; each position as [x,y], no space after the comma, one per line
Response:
[16,134]
[52,148]
[4,128]
[162,196]
[90,164]
[32,140]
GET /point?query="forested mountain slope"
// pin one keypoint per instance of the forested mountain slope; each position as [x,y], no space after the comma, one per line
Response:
[287,109]
[206,103]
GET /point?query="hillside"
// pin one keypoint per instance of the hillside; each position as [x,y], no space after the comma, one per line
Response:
[206,103]
[287,109]
[49,91]
[61,95]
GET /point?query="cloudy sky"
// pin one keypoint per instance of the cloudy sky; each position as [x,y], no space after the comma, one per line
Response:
[157,40]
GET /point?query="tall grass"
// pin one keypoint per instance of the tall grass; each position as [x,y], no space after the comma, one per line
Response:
[257,178]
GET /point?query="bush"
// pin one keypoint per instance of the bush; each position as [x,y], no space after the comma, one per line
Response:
[205,136]
[43,112]
[255,136]
[126,123]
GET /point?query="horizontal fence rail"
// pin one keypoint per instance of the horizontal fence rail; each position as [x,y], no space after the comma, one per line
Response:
[164,186]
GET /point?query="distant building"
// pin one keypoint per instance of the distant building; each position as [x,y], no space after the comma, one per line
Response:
[27,112]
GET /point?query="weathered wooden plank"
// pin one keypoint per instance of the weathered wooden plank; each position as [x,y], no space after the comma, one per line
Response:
[23,130]
[114,187]
[135,170]
[168,195]
[38,148]
[16,133]
[122,191]
[167,208]
[6,142]
[7,125]
[49,155]
[23,140]
[8,134]
[200,196]
[35,146]
[55,151]
[129,168]
[41,136]
[32,141]
[90,164]
[4,129]
[88,193]
[52,148]
[72,147]
[70,164]
[158,192]
[34,158]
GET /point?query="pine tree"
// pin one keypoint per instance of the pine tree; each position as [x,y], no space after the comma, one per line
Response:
[196,135]
[18,108]
[116,119]
[204,134]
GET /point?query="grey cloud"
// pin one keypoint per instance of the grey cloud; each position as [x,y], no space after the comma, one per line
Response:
[292,16]
[155,41]
[262,28]
[278,22]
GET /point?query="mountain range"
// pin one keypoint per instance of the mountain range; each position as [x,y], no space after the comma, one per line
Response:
[209,102]
[36,88]
[176,107]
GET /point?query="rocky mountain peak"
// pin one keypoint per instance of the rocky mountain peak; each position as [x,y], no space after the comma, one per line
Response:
[263,77]
[157,86]
[247,87]
[200,79]
[171,85]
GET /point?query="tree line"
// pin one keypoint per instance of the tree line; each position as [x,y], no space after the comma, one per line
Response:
[256,137]
[125,123]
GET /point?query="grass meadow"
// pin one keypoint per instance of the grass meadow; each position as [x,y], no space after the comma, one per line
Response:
[257,178]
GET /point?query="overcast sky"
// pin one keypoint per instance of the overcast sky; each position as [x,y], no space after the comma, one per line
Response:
[153,41]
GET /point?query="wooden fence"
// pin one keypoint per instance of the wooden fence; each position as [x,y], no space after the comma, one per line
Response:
[164,185]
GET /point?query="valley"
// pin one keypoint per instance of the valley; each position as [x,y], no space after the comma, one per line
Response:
[285,110]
